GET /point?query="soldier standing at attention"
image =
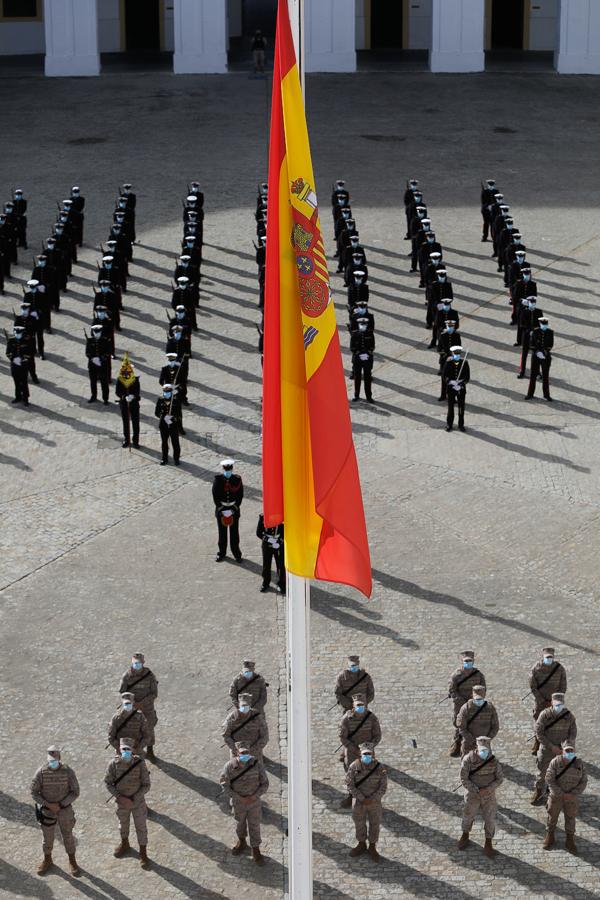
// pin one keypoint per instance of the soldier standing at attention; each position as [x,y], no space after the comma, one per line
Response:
[140,681]
[358,725]
[460,690]
[248,725]
[567,780]
[228,493]
[128,393]
[168,413]
[554,725]
[272,549]
[477,718]
[54,789]
[366,780]
[245,780]
[546,678]
[130,723]
[249,682]
[128,779]
[351,679]
[480,774]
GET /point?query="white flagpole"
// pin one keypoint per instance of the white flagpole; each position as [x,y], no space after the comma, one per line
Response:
[298,647]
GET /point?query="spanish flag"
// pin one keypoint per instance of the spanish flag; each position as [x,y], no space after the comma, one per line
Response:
[310,475]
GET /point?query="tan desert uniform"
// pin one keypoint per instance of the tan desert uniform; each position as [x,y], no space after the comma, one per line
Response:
[56,786]
[564,777]
[240,780]
[134,784]
[358,728]
[367,782]
[348,683]
[250,727]
[129,724]
[256,686]
[475,721]
[460,689]
[551,729]
[477,774]
[143,685]
[545,680]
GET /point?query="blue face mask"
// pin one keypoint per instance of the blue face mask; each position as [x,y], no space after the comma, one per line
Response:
[248,673]
[136,664]
[101,316]
[244,708]
[478,701]
[108,265]
[359,709]
[483,753]
[128,706]
[42,263]
[17,337]
[353,667]
[526,276]
[558,707]
[569,755]
[450,329]
[167,395]
[55,763]
[126,755]
[227,473]
[467,663]
[456,357]
[104,289]
[177,335]
[544,327]
[366,758]
[180,315]
[445,307]
[548,660]
[245,757]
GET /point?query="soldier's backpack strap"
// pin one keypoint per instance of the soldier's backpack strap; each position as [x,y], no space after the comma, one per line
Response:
[568,766]
[123,724]
[243,773]
[556,721]
[466,678]
[356,683]
[235,730]
[548,677]
[368,775]
[133,683]
[352,733]
[127,771]
[247,684]
[481,765]
[476,713]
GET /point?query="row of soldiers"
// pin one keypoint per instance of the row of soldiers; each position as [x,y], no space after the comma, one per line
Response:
[533,330]
[352,263]
[443,320]
[13,233]
[51,271]
[131,734]
[561,777]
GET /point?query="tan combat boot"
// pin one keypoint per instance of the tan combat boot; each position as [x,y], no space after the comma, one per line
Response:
[373,853]
[570,845]
[45,864]
[75,870]
[239,847]
[535,748]
[360,848]
[257,856]
[144,861]
[122,849]
[455,748]
[536,797]
[488,848]
[464,841]
[150,754]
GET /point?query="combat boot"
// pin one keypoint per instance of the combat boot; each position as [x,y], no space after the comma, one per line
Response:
[144,861]
[488,848]
[464,841]
[257,856]
[549,839]
[570,845]
[150,754]
[360,848]
[45,864]
[122,849]
[74,868]
[455,748]
[239,847]
[373,853]
[346,802]
[536,796]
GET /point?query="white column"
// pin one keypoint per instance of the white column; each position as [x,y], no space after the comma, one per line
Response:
[457,36]
[330,36]
[200,36]
[71,37]
[579,37]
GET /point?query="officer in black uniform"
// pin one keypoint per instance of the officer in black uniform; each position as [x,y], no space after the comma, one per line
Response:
[340,191]
[524,287]
[542,342]
[78,206]
[362,346]
[528,317]
[102,317]
[97,350]
[19,350]
[29,321]
[46,275]
[228,493]
[419,226]
[183,296]
[443,313]
[412,187]
[108,297]
[168,413]
[429,246]
[514,260]
[456,374]
[120,261]
[175,372]
[487,197]
[35,295]
[127,390]
[272,549]
[447,338]
[8,240]
[109,272]
[20,210]
[439,290]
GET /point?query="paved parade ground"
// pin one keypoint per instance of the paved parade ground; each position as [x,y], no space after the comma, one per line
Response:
[487,540]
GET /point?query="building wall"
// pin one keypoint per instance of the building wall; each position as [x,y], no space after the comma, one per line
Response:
[20,38]
[543,24]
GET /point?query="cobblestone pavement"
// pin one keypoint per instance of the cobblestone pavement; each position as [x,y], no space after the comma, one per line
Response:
[486,539]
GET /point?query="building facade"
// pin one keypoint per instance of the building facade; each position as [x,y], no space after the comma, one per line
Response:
[72,34]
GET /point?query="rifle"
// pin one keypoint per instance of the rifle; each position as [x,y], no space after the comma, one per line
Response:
[86,334]
[447,697]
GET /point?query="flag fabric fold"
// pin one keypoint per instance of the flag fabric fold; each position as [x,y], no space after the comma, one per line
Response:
[310,473]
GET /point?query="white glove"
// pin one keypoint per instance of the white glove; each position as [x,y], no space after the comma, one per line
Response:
[129,398]
[540,355]
[17,360]
[33,314]
[363,356]
[96,360]
[168,419]
[454,384]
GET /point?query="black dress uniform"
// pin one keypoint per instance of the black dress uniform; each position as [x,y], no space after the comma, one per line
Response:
[446,339]
[97,350]
[184,296]
[29,323]
[103,318]
[176,374]
[40,316]
[429,246]
[456,374]
[78,207]
[272,549]
[168,412]
[19,350]
[47,276]
[443,313]
[524,287]
[487,198]
[528,319]
[8,238]
[20,211]
[128,393]
[228,493]
[362,346]
[542,342]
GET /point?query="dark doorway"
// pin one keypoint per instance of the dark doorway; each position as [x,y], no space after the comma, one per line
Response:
[142,24]
[259,15]
[386,24]
[507,24]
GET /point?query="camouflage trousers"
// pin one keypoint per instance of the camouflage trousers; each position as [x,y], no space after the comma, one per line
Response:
[363,815]
[248,820]
[555,806]
[140,817]
[65,819]
[475,803]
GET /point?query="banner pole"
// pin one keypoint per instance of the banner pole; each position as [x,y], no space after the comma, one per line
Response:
[299,740]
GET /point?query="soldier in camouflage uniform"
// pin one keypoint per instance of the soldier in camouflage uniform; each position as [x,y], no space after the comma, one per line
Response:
[142,683]
[553,726]
[248,725]
[567,780]
[477,718]
[366,780]
[546,678]
[130,723]
[54,788]
[358,725]
[128,780]
[480,774]
[460,689]
[350,680]
[249,682]
[244,780]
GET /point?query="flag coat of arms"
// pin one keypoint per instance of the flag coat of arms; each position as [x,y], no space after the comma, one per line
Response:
[310,473]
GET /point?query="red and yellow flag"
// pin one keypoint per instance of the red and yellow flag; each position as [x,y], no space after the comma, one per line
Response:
[310,475]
